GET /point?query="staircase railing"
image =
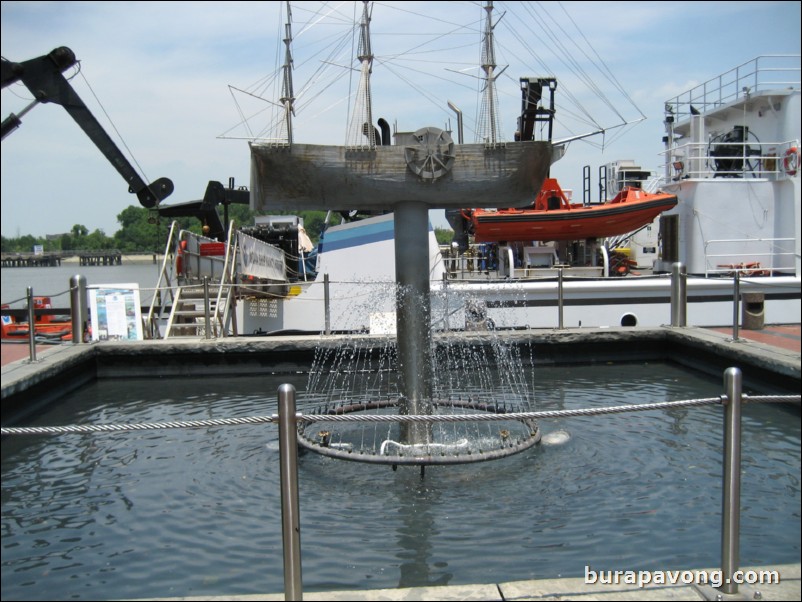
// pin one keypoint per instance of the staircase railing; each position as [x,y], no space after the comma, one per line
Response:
[201,259]
[164,283]
[226,317]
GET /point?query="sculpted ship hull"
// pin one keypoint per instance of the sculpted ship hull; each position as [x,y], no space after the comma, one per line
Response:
[305,176]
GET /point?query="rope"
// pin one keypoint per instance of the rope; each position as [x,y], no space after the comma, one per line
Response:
[107,428]
[509,415]
[25,298]
[521,416]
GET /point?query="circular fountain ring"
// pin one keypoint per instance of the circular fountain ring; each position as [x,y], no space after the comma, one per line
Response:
[458,451]
[433,155]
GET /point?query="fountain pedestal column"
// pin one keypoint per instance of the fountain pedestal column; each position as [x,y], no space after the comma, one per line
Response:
[413,317]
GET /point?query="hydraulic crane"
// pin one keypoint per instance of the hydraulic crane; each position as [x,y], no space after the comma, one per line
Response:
[43,76]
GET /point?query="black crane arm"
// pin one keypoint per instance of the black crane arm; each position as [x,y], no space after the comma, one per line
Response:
[43,77]
[206,210]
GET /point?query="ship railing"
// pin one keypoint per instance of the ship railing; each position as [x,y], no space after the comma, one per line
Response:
[763,73]
[765,260]
[224,316]
[164,283]
[750,159]
[200,256]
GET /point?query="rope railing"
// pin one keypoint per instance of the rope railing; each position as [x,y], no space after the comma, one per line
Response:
[288,421]
[385,418]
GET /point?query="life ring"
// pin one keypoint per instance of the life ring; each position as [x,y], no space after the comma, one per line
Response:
[179,258]
[791,161]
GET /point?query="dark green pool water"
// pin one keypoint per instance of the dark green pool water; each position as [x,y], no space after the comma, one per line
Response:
[197,512]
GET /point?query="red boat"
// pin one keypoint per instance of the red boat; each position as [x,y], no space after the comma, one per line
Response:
[48,328]
[554,217]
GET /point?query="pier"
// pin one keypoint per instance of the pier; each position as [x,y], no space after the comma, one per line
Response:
[100,258]
[84,258]
[31,260]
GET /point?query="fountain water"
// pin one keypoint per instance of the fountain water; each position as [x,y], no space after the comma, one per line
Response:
[421,171]
[467,373]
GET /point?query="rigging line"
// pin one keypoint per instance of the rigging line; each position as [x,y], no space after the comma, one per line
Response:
[435,101]
[567,58]
[351,92]
[334,14]
[432,40]
[243,120]
[429,52]
[587,76]
[423,16]
[264,83]
[565,54]
[324,66]
[341,40]
[565,89]
[609,71]
[456,82]
[114,127]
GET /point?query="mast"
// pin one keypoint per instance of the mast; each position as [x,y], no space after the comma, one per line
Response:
[361,131]
[287,94]
[489,129]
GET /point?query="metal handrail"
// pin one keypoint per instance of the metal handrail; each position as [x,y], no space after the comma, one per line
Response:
[729,269]
[765,72]
[226,281]
[152,326]
[697,160]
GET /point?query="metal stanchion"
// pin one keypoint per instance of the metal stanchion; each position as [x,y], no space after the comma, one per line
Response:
[326,304]
[560,298]
[290,514]
[31,326]
[731,498]
[206,317]
[446,314]
[736,304]
[679,295]
[78,311]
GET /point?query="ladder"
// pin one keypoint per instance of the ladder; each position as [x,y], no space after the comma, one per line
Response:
[203,298]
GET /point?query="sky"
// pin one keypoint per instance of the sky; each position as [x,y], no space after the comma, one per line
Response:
[182,86]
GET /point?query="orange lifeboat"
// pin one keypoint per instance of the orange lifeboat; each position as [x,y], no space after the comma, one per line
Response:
[47,328]
[554,217]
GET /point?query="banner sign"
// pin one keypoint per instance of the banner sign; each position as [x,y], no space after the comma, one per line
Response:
[260,260]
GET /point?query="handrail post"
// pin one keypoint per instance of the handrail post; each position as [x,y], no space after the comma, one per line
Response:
[78,310]
[290,514]
[326,304]
[31,325]
[736,304]
[446,315]
[731,498]
[206,317]
[560,298]
[679,295]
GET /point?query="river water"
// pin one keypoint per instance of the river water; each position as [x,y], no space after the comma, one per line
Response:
[196,512]
[54,282]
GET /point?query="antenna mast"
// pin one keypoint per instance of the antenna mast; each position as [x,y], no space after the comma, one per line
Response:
[361,125]
[489,129]
[287,94]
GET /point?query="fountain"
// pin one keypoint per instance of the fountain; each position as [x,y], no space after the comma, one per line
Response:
[423,170]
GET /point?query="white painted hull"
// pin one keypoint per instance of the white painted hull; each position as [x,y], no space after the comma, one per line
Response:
[362,295]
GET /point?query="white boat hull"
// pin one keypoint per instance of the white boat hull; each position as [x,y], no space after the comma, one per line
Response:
[359,261]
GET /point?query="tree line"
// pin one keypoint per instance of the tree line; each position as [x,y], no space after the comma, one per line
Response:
[143,230]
